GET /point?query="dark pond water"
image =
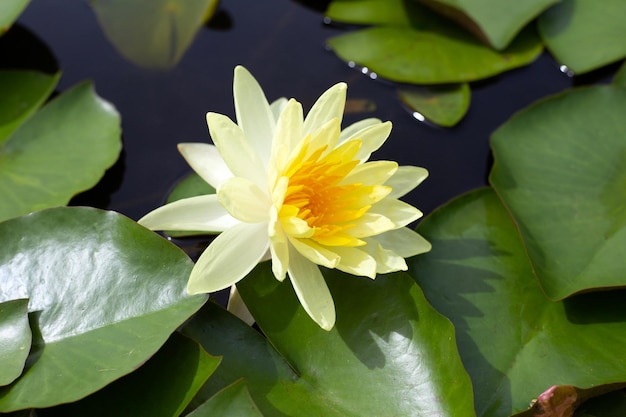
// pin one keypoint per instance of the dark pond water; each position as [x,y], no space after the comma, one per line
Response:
[282,43]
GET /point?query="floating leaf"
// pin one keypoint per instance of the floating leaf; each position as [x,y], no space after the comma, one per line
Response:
[234,400]
[585,34]
[375,12]
[389,353]
[497,22]
[61,150]
[10,11]
[620,76]
[15,338]
[560,168]
[435,56]
[514,342]
[152,33]
[105,294]
[162,387]
[443,105]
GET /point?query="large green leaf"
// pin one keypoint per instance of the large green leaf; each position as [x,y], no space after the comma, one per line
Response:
[61,150]
[390,352]
[9,11]
[495,21]
[234,400]
[443,105]
[560,168]
[152,33]
[15,338]
[441,54]
[105,294]
[515,343]
[162,387]
[585,34]
[23,92]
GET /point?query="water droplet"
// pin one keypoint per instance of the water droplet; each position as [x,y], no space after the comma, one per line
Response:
[565,70]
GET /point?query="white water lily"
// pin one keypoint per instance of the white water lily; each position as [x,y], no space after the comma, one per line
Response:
[299,191]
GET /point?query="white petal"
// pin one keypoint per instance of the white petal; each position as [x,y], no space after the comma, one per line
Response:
[357,126]
[326,135]
[371,224]
[399,212]
[371,173]
[404,241]
[206,160]
[288,133]
[405,179]
[253,112]
[277,107]
[372,138]
[279,247]
[239,156]
[244,200]
[356,262]
[237,307]
[203,213]
[312,291]
[315,253]
[330,105]
[229,258]
[386,260]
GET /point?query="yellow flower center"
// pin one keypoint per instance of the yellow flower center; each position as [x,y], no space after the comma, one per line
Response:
[318,195]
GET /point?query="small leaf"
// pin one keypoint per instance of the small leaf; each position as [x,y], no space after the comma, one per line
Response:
[375,12]
[560,168]
[442,105]
[105,294]
[440,55]
[15,339]
[10,10]
[585,34]
[61,150]
[162,387]
[234,400]
[152,33]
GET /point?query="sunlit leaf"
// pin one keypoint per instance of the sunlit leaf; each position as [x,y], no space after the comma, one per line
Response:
[57,152]
[105,294]
[495,21]
[9,12]
[560,168]
[515,343]
[389,353]
[436,56]
[162,387]
[585,34]
[15,338]
[375,12]
[443,105]
[234,400]
[152,33]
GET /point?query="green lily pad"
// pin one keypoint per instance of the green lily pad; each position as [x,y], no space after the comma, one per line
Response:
[10,10]
[56,153]
[375,12]
[620,76]
[560,168]
[390,352]
[234,400]
[23,92]
[105,294]
[585,34]
[15,338]
[497,22]
[443,105]
[162,387]
[514,342]
[439,55]
[152,33]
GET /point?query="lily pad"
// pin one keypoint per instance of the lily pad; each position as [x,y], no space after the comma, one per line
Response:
[10,10]
[57,152]
[620,76]
[560,168]
[234,400]
[390,352]
[497,22]
[585,34]
[152,33]
[15,338]
[439,55]
[515,343]
[375,12]
[105,294]
[162,387]
[443,105]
